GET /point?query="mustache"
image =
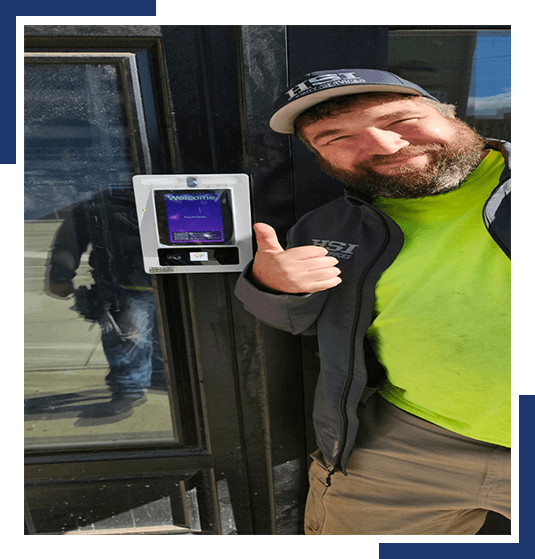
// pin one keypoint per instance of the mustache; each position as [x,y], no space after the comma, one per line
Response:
[409,151]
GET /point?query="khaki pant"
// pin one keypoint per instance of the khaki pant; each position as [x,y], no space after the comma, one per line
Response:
[408,476]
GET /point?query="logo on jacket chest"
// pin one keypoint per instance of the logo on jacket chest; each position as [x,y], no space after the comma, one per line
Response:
[336,248]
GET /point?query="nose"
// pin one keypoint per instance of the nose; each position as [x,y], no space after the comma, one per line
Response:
[381,142]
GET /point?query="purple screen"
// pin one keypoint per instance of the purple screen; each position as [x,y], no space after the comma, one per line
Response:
[194,216]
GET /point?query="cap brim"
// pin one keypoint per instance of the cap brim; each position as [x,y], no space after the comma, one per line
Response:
[283,120]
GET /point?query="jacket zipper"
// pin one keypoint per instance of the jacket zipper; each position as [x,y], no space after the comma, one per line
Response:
[351,365]
[329,475]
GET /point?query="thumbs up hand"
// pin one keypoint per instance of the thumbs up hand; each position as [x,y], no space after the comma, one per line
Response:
[305,269]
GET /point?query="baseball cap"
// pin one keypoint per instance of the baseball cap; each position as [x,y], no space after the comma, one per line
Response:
[316,87]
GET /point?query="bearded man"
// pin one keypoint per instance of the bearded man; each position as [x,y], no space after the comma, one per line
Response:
[406,282]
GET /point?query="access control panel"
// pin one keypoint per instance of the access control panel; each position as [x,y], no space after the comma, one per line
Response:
[194,223]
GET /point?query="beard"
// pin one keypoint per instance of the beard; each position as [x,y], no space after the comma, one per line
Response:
[448,167]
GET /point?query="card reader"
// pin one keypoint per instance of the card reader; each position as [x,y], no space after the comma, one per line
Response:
[194,223]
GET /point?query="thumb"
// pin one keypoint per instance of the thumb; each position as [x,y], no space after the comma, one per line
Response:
[266,238]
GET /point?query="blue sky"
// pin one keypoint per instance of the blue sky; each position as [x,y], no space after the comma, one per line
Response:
[491,74]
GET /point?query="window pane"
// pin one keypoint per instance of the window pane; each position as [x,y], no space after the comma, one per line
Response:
[94,369]
[470,68]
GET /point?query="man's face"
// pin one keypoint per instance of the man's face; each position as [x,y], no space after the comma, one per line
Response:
[402,148]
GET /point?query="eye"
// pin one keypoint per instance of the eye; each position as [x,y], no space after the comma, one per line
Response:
[337,139]
[404,121]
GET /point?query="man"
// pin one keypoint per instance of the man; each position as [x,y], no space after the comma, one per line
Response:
[406,282]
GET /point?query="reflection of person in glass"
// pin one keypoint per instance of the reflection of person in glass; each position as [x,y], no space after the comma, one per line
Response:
[120,300]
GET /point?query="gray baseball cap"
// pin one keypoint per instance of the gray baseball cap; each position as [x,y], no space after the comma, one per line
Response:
[316,87]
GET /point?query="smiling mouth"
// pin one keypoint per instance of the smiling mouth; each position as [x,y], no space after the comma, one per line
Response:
[399,161]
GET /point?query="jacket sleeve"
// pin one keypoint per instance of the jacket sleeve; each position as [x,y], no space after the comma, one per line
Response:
[70,243]
[292,313]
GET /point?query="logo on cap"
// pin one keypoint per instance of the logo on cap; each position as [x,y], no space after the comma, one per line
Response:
[324,81]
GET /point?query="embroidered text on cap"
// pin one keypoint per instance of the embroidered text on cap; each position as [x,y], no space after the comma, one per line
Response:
[314,83]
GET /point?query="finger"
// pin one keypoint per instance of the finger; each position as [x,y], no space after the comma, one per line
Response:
[324,284]
[321,262]
[305,252]
[266,238]
[310,281]
[323,274]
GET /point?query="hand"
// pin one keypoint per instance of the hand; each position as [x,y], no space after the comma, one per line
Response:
[305,269]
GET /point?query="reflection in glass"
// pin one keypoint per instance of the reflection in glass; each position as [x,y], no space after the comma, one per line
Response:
[94,368]
[467,67]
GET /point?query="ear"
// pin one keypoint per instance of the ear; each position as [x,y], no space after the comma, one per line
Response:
[452,110]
